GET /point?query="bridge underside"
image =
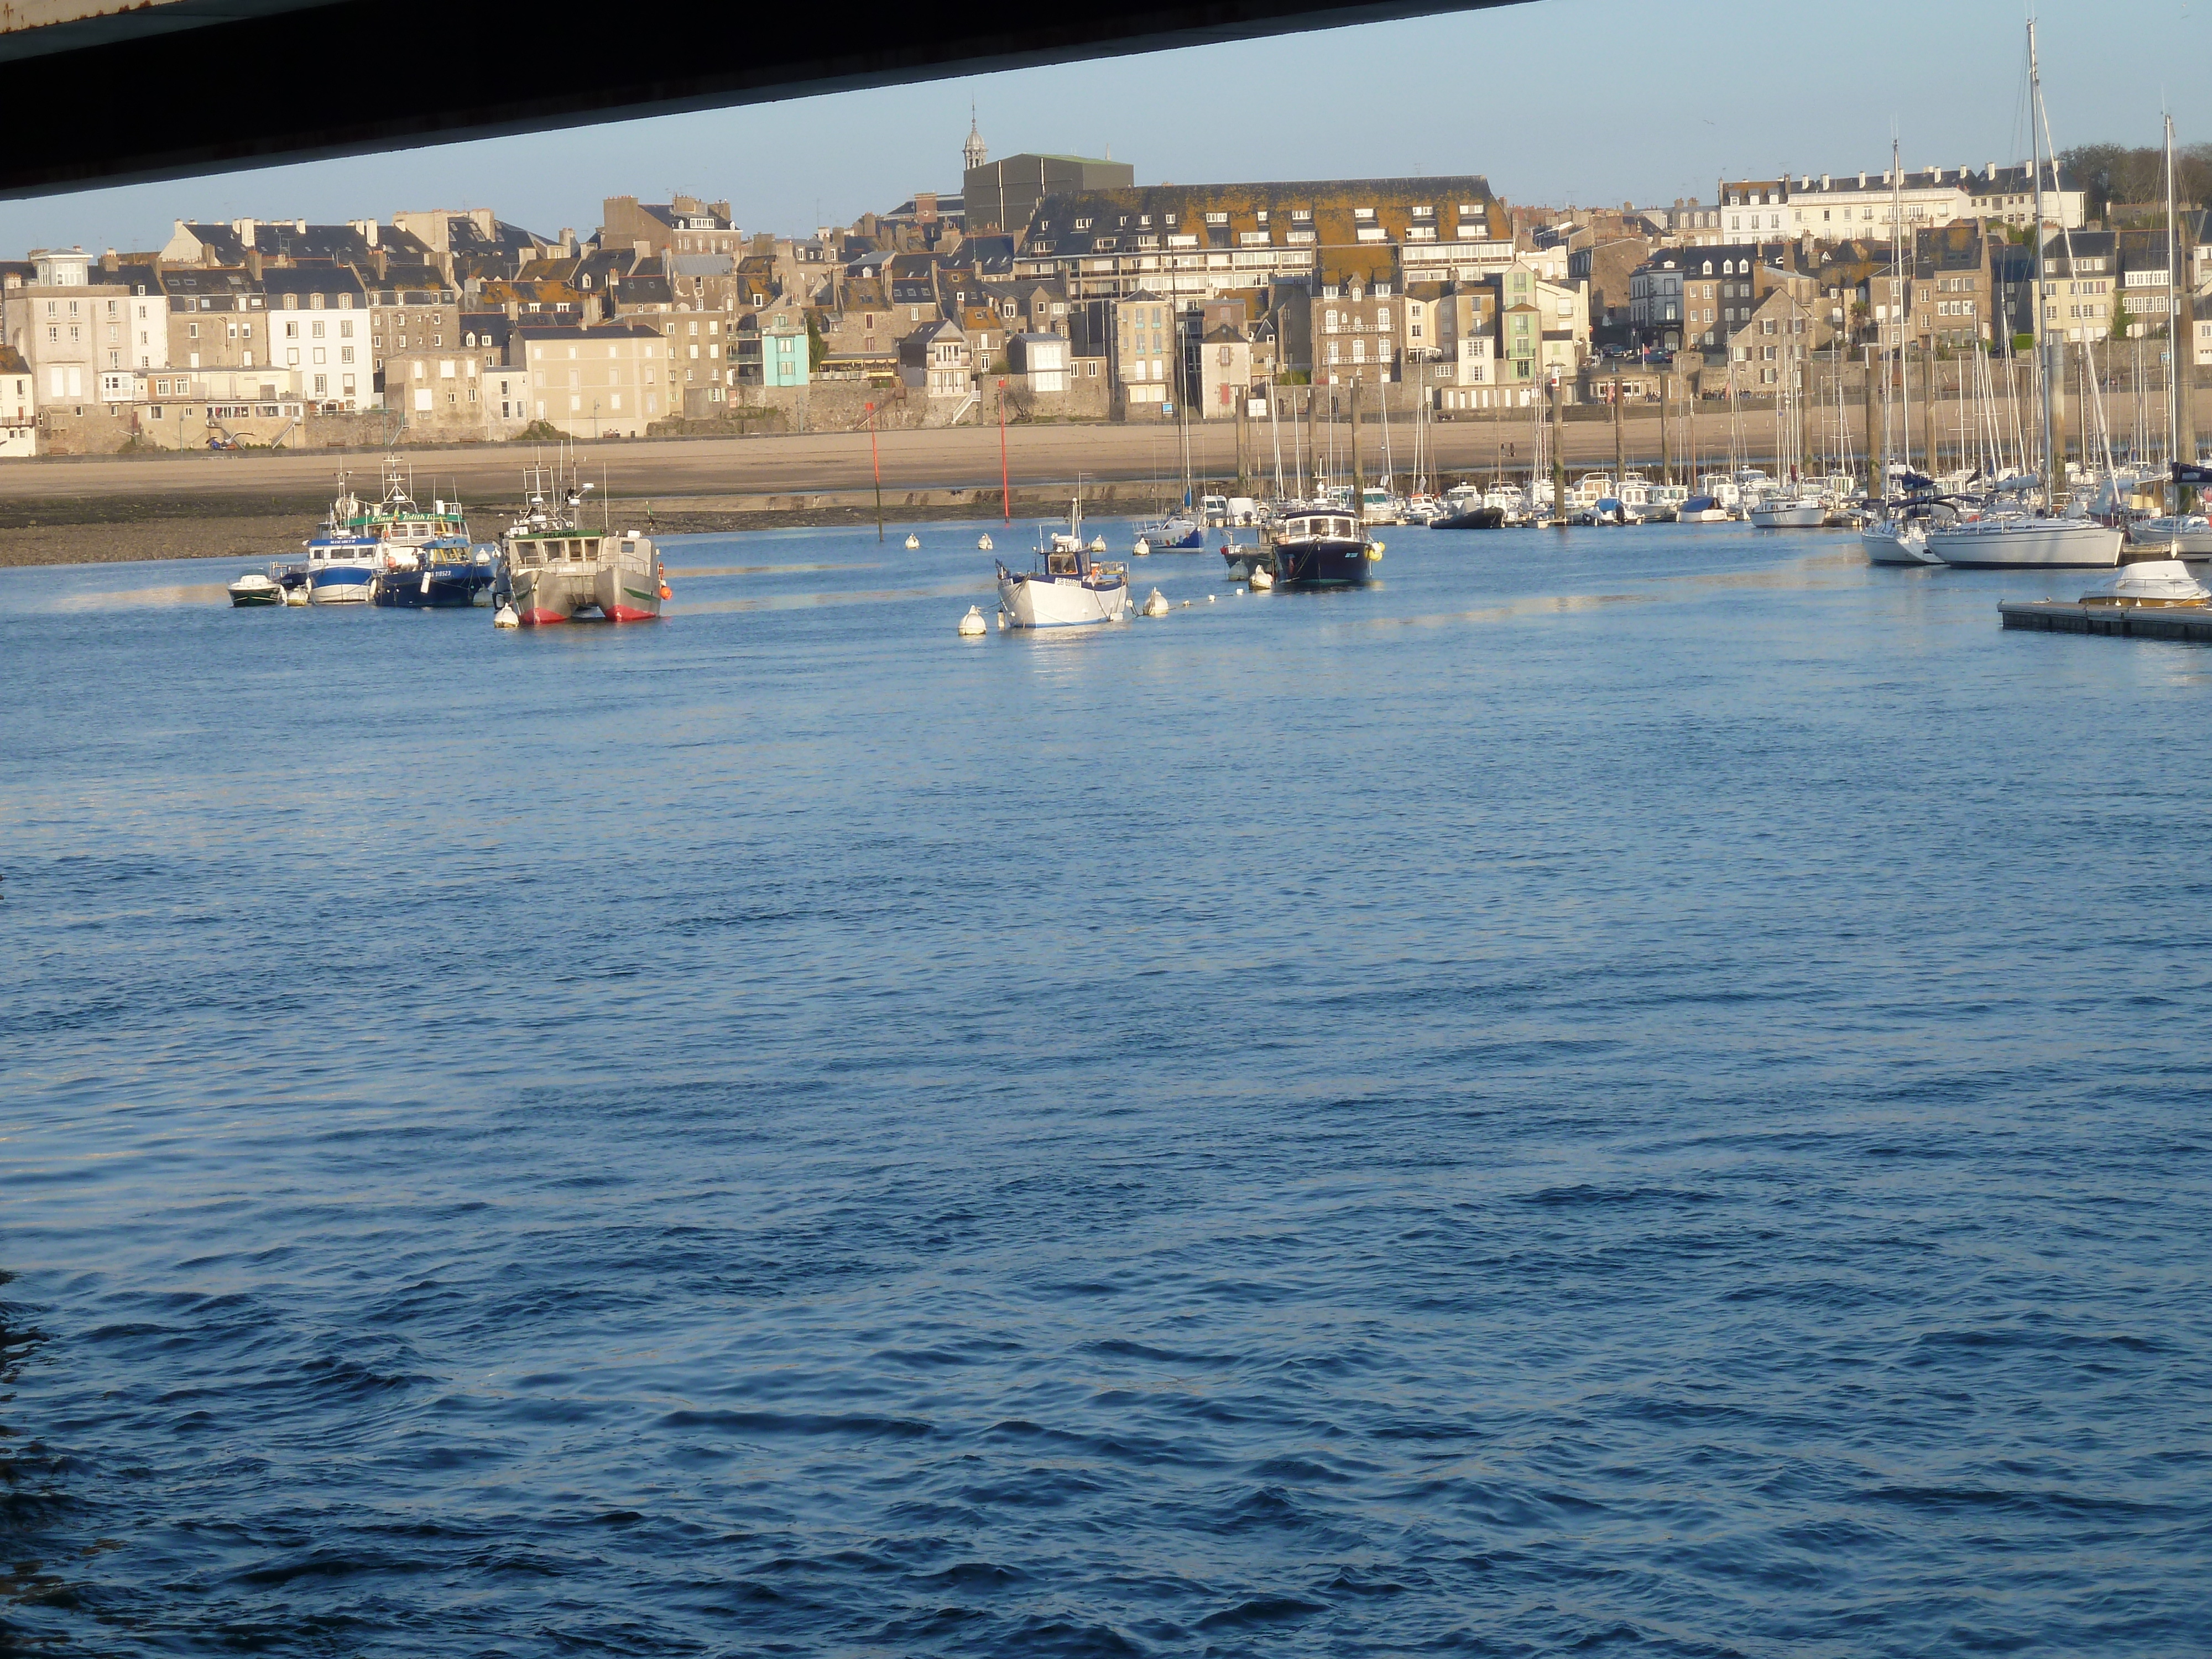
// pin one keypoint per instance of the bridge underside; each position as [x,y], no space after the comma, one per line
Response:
[186,87]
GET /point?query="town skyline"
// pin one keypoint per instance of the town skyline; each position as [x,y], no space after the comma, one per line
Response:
[790,168]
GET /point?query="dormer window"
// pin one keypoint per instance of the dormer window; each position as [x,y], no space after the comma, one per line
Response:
[1301,215]
[1709,267]
[1363,213]
[1425,212]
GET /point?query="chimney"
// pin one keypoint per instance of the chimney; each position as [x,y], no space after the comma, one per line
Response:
[108,261]
[380,258]
[568,242]
[254,262]
[300,225]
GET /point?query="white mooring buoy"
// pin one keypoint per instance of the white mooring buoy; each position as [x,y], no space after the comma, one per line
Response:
[972,626]
[505,617]
[1143,549]
[1261,579]
[983,541]
[1156,603]
[912,542]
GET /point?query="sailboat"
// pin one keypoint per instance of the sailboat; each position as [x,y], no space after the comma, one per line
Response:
[1182,530]
[2187,535]
[2043,541]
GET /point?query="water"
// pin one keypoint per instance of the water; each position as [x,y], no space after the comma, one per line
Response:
[1624,1090]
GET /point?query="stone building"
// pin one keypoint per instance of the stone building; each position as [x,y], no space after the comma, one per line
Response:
[604,381]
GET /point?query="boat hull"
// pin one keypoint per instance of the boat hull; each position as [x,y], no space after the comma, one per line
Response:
[627,589]
[458,588]
[2192,539]
[1031,601]
[346,584]
[253,592]
[2028,544]
[1480,518]
[543,597]
[1330,562]
[1175,535]
[1799,515]
[1882,545]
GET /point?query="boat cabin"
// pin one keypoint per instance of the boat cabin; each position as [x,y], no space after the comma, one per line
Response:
[1319,527]
[570,547]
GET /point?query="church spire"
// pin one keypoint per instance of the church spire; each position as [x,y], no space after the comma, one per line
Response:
[972,154]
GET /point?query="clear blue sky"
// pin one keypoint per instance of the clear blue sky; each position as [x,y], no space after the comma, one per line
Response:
[1559,100]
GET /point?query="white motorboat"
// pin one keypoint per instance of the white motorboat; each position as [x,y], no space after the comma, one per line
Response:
[253,590]
[2153,584]
[1070,587]
[1777,512]
[1897,541]
[2028,544]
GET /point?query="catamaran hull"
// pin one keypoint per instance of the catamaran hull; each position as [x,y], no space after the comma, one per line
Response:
[624,594]
[2028,544]
[542,598]
[1039,603]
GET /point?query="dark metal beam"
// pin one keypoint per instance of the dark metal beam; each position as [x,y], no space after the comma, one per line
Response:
[108,107]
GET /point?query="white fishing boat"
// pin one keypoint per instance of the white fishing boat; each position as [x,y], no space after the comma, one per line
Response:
[1070,587]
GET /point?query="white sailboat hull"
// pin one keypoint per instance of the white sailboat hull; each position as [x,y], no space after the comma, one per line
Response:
[1881,544]
[2028,544]
[1796,515]
[1041,602]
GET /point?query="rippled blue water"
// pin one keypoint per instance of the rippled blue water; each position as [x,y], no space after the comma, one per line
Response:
[1629,1090]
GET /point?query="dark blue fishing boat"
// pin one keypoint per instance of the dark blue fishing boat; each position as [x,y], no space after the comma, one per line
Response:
[1320,549]
[447,574]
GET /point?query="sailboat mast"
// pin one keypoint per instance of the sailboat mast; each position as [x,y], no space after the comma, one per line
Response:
[1896,296]
[2050,465]
[2174,343]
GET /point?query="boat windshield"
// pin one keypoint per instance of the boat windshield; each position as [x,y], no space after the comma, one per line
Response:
[1061,564]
